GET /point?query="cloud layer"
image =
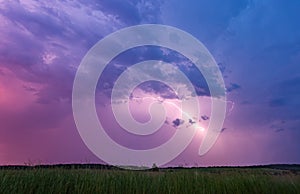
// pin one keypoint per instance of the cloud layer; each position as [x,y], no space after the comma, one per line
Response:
[255,43]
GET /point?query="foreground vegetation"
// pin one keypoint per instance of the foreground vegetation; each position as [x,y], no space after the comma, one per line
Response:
[196,180]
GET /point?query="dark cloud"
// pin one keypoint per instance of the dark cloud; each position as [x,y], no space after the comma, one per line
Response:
[191,121]
[279,125]
[159,88]
[40,24]
[232,87]
[223,129]
[42,45]
[279,130]
[204,117]
[197,79]
[53,28]
[265,61]
[284,97]
[28,37]
[222,67]
[177,122]
[290,86]
[277,102]
[128,58]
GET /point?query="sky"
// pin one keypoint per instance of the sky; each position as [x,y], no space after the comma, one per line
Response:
[255,43]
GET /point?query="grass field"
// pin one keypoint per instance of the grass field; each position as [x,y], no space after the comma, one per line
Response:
[195,180]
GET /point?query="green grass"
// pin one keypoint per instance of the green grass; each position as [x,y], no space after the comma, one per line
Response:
[202,180]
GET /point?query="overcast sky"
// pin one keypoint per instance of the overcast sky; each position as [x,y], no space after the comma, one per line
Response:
[256,44]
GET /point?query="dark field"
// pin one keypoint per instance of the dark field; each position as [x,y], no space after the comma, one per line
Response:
[104,179]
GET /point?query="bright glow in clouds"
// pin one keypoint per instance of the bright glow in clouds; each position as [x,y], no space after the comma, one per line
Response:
[103,52]
[175,113]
